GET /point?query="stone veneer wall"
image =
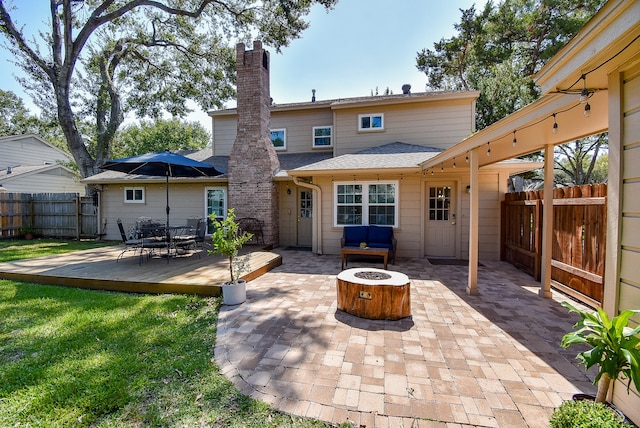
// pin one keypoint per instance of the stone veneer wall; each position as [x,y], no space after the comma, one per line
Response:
[253,160]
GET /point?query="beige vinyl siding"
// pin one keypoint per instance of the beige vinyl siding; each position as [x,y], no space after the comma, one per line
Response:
[410,217]
[439,124]
[28,151]
[628,281]
[225,129]
[56,180]
[185,199]
[299,125]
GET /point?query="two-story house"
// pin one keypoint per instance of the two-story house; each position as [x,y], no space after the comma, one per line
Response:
[331,164]
[29,164]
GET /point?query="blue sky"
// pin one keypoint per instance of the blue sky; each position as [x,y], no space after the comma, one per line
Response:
[347,52]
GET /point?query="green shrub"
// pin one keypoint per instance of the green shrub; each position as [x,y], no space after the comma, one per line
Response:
[585,414]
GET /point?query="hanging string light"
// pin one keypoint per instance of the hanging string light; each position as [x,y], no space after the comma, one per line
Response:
[587,110]
[454,162]
[488,148]
[555,124]
[466,157]
[515,141]
[584,94]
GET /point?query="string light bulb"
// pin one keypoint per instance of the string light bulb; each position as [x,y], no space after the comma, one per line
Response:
[488,148]
[555,125]
[584,94]
[515,140]
[454,162]
[587,110]
[466,158]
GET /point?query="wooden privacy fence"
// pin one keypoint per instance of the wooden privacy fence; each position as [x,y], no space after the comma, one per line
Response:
[52,215]
[579,224]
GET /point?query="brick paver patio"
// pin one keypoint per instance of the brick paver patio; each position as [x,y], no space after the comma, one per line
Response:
[492,360]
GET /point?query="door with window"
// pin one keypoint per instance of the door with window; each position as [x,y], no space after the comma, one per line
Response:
[440,230]
[305,217]
[216,203]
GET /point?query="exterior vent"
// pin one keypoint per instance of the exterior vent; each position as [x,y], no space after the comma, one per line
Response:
[406,89]
[9,170]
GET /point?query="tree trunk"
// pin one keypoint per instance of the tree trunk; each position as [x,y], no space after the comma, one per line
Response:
[603,388]
[75,142]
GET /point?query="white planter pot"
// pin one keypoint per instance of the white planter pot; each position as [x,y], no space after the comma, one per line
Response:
[234,294]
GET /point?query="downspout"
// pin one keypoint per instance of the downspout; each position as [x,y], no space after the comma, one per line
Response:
[316,217]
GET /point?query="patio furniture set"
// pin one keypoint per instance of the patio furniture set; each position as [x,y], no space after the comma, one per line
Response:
[156,238]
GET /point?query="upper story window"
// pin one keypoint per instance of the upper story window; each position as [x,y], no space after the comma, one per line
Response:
[363,203]
[134,195]
[371,122]
[322,136]
[279,138]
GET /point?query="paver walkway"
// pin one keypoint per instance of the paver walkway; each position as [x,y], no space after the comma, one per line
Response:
[492,360]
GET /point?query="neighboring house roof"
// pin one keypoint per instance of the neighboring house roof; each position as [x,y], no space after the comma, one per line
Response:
[18,171]
[388,156]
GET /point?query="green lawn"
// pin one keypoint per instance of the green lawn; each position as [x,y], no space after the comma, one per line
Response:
[71,357]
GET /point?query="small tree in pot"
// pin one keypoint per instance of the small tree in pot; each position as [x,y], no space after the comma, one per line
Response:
[227,241]
[615,347]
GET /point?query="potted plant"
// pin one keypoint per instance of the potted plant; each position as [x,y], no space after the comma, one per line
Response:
[28,232]
[227,241]
[614,347]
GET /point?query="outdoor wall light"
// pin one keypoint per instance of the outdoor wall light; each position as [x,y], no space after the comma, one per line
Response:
[469,189]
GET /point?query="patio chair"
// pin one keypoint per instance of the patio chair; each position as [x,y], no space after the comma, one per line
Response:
[131,244]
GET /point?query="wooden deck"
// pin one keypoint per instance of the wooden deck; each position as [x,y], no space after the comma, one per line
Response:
[97,269]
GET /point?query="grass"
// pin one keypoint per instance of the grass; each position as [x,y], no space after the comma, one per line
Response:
[71,357]
[27,249]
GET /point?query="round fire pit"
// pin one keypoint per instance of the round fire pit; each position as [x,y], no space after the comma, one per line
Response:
[374,293]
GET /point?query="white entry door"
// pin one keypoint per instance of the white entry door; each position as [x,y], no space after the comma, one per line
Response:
[440,230]
[305,218]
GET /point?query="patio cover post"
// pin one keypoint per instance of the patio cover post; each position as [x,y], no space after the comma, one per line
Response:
[547,223]
[472,286]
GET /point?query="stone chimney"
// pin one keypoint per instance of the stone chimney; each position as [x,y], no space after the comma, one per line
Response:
[253,160]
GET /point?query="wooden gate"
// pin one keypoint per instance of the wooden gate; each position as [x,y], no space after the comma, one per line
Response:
[579,224]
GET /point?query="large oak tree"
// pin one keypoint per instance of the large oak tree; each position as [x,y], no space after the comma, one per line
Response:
[98,60]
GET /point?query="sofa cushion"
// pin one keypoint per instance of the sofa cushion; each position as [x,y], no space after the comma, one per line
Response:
[380,235]
[354,235]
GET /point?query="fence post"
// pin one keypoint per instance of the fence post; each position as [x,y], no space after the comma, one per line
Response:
[78,216]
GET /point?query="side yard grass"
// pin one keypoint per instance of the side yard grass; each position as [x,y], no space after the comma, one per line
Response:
[71,357]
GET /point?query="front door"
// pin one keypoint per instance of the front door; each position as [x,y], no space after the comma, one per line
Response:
[440,230]
[305,215]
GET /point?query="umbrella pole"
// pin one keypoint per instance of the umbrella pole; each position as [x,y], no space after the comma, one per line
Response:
[168,232]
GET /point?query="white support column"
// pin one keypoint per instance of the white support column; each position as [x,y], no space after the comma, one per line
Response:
[547,223]
[472,286]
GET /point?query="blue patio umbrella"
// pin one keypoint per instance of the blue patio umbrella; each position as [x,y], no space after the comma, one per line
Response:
[165,164]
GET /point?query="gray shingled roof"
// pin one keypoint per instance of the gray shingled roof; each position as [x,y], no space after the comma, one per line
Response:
[393,155]
[26,169]
[288,161]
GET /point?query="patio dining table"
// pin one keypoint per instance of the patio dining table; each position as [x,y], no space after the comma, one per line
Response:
[160,237]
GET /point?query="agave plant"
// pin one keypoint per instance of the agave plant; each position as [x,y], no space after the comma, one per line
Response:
[615,347]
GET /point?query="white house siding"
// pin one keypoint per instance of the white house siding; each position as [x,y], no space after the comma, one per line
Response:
[628,151]
[185,199]
[439,124]
[57,180]
[28,150]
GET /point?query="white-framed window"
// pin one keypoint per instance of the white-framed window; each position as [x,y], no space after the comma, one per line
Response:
[371,122]
[134,195]
[366,203]
[215,203]
[322,136]
[279,138]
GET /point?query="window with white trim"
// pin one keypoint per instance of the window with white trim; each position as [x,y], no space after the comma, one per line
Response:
[279,138]
[322,136]
[371,122]
[366,203]
[134,195]
[215,203]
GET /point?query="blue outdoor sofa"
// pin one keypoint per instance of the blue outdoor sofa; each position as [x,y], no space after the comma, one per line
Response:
[374,236]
